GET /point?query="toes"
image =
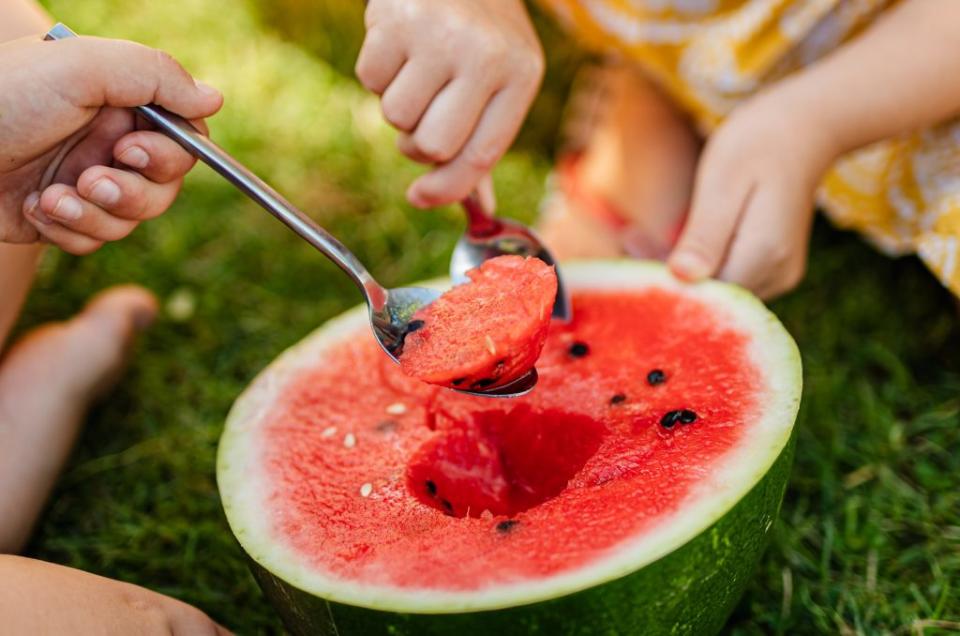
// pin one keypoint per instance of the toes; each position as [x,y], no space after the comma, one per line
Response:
[104,331]
[133,305]
[79,357]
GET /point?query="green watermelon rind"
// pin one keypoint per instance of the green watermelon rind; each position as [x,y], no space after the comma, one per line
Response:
[675,595]
[717,536]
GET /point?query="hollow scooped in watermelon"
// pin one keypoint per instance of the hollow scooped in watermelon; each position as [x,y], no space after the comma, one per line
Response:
[503,461]
[632,492]
[487,332]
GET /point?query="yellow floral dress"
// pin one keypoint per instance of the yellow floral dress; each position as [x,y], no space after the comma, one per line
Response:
[709,55]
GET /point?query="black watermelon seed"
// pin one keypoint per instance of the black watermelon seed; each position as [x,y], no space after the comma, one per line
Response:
[386,426]
[414,325]
[483,383]
[618,398]
[431,488]
[579,349]
[458,381]
[656,377]
[670,419]
[447,506]
[507,526]
[683,416]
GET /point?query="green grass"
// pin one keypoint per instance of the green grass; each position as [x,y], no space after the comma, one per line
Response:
[869,540]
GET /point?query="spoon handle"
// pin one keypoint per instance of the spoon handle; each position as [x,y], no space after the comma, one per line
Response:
[480,224]
[200,146]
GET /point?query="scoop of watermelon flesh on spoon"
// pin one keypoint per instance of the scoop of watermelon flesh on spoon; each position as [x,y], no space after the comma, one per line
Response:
[398,320]
[485,334]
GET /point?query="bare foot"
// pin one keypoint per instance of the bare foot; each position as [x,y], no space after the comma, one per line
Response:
[630,188]
[48,381]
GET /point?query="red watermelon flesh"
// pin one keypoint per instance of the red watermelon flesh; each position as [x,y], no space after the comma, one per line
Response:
[377,479]
[486,332]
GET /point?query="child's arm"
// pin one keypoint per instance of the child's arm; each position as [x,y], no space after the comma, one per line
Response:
[456,77]
[22,18]
[17,262]
[42,598]
[754,192]
[17,267]
[901,75]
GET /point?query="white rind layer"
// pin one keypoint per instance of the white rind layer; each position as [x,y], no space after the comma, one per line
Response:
[771,349]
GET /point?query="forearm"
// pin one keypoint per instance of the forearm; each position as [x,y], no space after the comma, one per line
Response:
[17,267]
[899,75]
[22,18]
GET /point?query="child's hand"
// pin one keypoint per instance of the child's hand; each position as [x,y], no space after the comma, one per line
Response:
[456,78]
[753,198]
[42,598]
[75,167]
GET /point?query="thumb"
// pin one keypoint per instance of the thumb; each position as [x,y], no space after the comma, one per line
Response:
[98,72]
[717,205]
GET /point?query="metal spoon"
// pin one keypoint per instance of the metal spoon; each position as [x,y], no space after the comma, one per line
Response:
[390,309]
[488,236]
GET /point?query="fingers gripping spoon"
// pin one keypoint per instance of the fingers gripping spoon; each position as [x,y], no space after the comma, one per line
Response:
[390,309]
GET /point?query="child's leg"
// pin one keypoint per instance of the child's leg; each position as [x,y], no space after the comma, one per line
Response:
[638,156]
[17,266]
[47,382]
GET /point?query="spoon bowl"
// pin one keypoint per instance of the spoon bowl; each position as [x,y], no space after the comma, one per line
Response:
[391,321]
[487,237]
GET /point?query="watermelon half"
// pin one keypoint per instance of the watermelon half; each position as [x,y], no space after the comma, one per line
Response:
[630,493]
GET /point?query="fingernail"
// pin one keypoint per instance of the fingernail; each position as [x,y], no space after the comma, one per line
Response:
[689,266]
[68,208]
[31,207]
[105,192]
[135,157]
[415,198]
[206,89]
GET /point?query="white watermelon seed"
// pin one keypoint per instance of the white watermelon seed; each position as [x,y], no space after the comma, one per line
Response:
[491,347]
[397,408]
[366,489]
[329,431]
[349,440]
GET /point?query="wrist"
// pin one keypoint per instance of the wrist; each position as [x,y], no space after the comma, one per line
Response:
[807,124]
[17,266]
[23,18]
[840,120]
